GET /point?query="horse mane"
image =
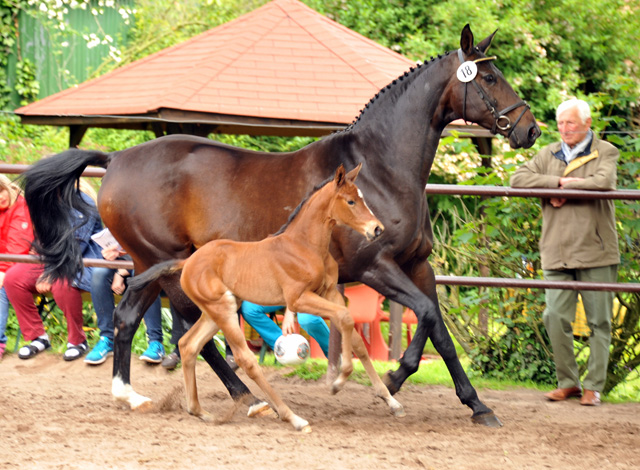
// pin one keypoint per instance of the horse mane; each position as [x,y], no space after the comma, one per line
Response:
[404,79]
[297,210]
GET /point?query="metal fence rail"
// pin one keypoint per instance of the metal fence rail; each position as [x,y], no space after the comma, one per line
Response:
[446,189]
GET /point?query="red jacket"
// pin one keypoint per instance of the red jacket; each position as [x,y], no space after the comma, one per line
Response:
[16,231]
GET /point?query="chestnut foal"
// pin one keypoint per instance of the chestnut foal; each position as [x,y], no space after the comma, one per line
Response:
[292,267]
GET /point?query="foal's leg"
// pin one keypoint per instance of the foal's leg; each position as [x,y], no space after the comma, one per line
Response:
[336,311]
[190,345]
[360,349]
[379,387]
[248,362]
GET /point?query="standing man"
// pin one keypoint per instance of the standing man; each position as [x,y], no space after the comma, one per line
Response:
[579,243]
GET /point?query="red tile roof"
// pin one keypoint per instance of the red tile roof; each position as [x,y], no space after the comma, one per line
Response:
[281,61]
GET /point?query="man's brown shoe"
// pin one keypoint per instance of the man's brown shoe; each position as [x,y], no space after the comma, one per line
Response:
[590,398]
[560,394]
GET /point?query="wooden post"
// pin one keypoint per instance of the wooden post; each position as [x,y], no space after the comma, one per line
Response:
[395,330]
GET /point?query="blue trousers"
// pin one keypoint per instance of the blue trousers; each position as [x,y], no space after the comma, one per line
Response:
[4,315]
[257,316]
[104,305]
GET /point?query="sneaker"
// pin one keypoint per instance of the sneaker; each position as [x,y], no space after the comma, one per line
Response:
[171,361]
[100,352]
[2,348]
[35,347]
[154,353]
[75,351]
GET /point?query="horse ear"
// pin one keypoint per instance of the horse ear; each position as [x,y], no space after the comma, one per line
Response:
[339,178]
[353,174]
[486,42]
[466,40]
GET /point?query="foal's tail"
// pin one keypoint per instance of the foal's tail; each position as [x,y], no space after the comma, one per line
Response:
[166,268]
[51,191]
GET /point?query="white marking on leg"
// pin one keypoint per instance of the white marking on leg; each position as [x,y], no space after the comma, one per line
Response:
[126,394]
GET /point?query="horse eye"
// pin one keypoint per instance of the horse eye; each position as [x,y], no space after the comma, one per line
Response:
[351,202]
[489,78]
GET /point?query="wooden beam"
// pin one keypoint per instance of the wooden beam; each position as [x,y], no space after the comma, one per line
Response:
[76,133]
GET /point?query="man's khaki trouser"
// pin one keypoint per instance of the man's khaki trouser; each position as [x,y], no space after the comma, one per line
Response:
[561,311]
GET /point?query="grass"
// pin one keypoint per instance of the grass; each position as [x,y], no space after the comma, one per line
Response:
[436,373]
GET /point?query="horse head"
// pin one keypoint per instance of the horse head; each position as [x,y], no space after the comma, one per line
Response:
[478,92]
[349,207]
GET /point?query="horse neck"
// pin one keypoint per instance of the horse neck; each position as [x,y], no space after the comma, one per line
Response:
[314,223]
[401,127]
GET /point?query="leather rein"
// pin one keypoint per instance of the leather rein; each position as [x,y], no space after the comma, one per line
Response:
[501,120]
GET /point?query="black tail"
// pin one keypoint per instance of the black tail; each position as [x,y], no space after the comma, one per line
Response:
[51,192]
[140,281]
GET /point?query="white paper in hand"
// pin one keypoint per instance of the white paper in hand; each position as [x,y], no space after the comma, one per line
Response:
[105,239]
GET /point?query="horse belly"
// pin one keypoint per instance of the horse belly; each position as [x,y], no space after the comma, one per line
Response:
[248,273]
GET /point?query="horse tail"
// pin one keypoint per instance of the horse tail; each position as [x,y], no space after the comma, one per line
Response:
[51,190]
[166,268]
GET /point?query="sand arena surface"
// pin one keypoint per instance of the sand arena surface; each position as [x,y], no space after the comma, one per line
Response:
[59,415]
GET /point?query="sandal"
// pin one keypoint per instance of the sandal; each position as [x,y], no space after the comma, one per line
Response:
[35,347]
[75,351]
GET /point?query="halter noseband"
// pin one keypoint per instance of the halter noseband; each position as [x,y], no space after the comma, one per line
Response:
[500,117]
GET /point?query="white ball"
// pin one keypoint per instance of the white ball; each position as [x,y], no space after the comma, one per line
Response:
[291,350]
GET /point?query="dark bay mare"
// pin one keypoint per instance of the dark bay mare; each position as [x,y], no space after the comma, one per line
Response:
[165,198]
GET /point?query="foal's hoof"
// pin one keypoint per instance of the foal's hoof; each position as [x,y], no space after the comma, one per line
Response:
[300,424]
[487,419]
[398,411]
[260,410]
[203,415]
[336,387]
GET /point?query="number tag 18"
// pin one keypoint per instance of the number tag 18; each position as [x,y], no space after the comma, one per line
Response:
[467,71]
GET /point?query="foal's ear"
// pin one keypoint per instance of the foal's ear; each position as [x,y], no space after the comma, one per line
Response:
[339,178]
[486,42]
[353,174]
[466,40]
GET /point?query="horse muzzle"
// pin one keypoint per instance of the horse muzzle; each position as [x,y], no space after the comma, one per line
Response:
[524,138]
[373,231]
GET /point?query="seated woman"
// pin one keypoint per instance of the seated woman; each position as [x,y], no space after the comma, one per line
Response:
[23,280]
[258,317]
[105,283]
[16,235]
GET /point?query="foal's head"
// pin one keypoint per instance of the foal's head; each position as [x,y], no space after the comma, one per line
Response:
[349,207]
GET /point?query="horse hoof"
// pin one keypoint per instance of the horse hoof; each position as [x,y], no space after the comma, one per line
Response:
[487,419]
[143,406]
[202,415]
[300,424]
[399,412]
[387,379]
[335,388]
[260,410]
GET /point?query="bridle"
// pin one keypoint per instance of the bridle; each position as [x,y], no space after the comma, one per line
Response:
[501,120]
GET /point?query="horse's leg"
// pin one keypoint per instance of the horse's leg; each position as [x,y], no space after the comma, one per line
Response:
[391,281]
[127,317]
[190,345]
[336,312]
[361,352]
[224,312]
[190,312]
[237,389]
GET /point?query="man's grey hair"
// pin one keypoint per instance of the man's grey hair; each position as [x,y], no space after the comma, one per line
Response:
[583,108]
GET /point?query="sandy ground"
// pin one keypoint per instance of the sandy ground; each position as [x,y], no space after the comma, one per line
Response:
[58,415]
